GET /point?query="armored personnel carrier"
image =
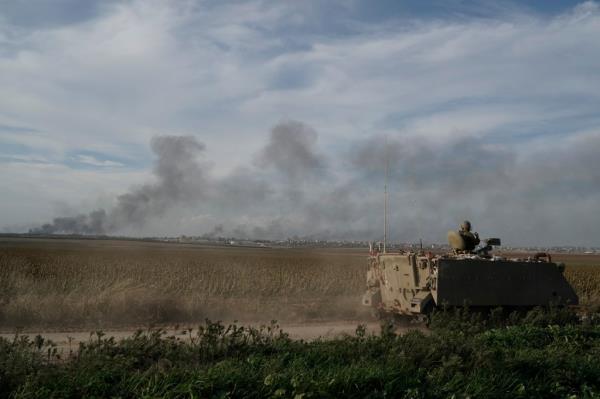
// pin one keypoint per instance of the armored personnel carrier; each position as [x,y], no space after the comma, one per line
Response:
[413,283]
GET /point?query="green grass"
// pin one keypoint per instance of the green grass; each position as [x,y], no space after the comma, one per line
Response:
[542,354]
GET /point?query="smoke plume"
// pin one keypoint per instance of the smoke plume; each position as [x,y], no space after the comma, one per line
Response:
[535,194]
[179,176]
[291,151]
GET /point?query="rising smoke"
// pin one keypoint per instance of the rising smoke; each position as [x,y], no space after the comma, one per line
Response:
[525,195]
[179,178]
[292,151]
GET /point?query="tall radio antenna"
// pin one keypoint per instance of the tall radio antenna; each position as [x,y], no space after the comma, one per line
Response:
[385,198]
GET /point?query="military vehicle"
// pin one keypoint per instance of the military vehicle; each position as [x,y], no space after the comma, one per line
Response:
[413,283]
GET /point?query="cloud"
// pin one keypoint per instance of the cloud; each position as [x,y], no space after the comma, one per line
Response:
[49,13]
[93,161]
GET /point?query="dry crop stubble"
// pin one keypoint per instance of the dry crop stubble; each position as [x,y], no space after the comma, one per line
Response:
[61,283]
[101,283]
[583,273]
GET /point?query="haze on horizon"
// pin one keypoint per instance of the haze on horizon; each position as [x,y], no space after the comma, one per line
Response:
[266,119]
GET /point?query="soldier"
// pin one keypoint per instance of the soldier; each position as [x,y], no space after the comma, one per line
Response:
[471,239]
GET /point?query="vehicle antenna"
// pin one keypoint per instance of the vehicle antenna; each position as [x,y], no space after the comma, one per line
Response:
[385,199]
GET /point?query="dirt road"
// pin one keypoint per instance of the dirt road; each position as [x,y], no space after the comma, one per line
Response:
[67,341]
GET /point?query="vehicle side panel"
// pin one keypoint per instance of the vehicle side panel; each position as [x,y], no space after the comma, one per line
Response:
[501,283]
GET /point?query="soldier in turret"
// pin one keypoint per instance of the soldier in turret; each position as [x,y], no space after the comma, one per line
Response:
[471,239]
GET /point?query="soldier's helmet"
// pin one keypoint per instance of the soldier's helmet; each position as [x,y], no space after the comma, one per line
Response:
[465,226]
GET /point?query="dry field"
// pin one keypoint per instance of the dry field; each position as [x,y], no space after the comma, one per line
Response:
[583,272]
[103,284]
[100,284]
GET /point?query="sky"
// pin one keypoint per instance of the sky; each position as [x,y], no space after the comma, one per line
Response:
[271,119]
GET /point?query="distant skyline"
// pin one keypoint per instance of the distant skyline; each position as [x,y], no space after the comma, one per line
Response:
[267,119]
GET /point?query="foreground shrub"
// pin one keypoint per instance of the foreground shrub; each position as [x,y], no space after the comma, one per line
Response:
[526,359]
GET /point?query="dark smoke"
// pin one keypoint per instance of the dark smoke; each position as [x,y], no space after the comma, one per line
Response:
[92,223]
[217,231]
[524,194]
[462,164]
[180,178]
[291,151]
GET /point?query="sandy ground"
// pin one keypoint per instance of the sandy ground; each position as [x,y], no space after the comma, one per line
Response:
[67,341]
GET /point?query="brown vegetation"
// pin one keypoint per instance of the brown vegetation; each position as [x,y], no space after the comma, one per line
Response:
[88,283]
[116,283]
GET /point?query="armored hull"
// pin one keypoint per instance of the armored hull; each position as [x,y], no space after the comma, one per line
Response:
[412,283]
